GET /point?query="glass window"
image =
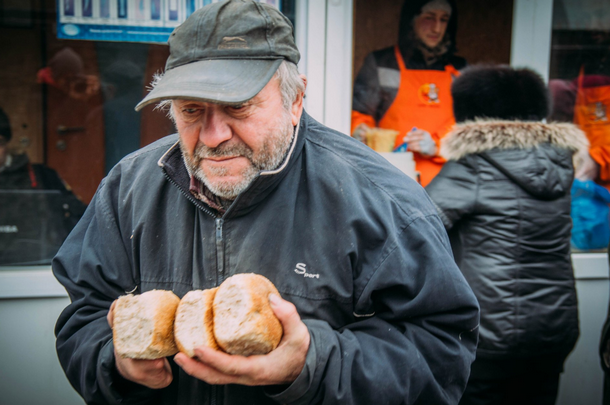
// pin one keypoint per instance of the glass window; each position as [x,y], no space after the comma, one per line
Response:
[405,57]
[67,110]
[580,87]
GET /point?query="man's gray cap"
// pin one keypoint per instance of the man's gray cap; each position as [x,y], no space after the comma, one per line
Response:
[226,53]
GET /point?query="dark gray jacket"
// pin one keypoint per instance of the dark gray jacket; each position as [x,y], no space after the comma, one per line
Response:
[391,318]
[504,196]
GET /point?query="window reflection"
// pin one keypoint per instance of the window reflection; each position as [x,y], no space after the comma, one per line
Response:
[405,57]
[38,209]
[580,88]
[69,105]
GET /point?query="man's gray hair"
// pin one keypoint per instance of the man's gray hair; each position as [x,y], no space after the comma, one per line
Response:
[291,85]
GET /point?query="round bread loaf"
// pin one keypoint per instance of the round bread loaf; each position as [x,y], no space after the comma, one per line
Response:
[244,322]
[194,324]
[143,326]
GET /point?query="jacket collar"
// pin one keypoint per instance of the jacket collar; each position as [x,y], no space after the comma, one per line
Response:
[172,163]
[482,135]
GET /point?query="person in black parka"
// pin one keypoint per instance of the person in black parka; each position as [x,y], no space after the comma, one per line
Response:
[504,197]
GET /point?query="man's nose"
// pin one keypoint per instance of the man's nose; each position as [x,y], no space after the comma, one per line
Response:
[215,129]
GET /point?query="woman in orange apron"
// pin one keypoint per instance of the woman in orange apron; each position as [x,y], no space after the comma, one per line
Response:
[407,87]
[592,115]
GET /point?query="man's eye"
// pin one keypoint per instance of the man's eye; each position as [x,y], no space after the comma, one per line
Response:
[237,107]
[189,111]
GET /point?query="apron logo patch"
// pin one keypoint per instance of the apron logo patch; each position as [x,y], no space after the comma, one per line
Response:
[597,112]
[428,93]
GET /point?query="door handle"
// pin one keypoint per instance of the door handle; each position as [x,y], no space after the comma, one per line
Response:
[64,130]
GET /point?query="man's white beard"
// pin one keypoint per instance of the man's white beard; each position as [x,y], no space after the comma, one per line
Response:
[270,156]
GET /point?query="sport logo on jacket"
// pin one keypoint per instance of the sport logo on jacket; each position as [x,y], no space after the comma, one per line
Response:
[302,270]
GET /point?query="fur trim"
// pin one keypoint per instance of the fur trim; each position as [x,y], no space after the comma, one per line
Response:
[483,135]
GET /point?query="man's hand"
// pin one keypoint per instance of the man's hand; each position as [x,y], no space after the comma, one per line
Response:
[281,366]
[150,373]
[420,141]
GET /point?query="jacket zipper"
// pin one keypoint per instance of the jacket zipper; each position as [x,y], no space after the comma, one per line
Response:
[189,196]
[213,388]
[220,250]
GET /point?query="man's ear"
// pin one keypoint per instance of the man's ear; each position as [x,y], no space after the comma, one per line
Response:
[297,106]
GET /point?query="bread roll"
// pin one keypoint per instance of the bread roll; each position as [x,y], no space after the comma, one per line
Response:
[143,326]
[380,139]
[244,322]
[194,325]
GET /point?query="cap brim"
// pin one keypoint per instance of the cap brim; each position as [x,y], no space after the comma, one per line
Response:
[227,81]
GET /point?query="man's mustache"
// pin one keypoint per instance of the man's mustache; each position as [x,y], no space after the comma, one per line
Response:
[237,149]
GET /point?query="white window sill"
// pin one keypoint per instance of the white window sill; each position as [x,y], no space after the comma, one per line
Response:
[39,282]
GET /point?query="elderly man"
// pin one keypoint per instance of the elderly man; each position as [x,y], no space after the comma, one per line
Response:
[373,306]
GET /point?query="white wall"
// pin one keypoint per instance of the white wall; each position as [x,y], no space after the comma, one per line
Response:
[30,370]
[531,35]
[582,380]
[326,51]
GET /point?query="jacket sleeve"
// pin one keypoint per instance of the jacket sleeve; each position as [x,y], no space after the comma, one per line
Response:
[454,190]
[95,269]
[367,94]
[416,337]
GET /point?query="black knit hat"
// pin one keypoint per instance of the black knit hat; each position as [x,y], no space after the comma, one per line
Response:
[501,92]
[5,126]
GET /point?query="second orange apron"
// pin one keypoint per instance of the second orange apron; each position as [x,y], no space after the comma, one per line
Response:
[591,113]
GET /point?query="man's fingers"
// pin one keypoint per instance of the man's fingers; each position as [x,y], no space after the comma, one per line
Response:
[285,311]
[110,316]
[150,373]
[230,365]
[161,376]
[203,367]
[154,373]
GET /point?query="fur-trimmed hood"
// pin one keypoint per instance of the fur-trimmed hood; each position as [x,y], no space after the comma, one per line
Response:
[539,157]
[484,135]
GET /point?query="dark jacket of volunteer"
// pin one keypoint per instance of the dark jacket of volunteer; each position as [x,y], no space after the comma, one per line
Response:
[407,87]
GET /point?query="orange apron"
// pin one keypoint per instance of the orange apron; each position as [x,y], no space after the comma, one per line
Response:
[592,115]
[423,101]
